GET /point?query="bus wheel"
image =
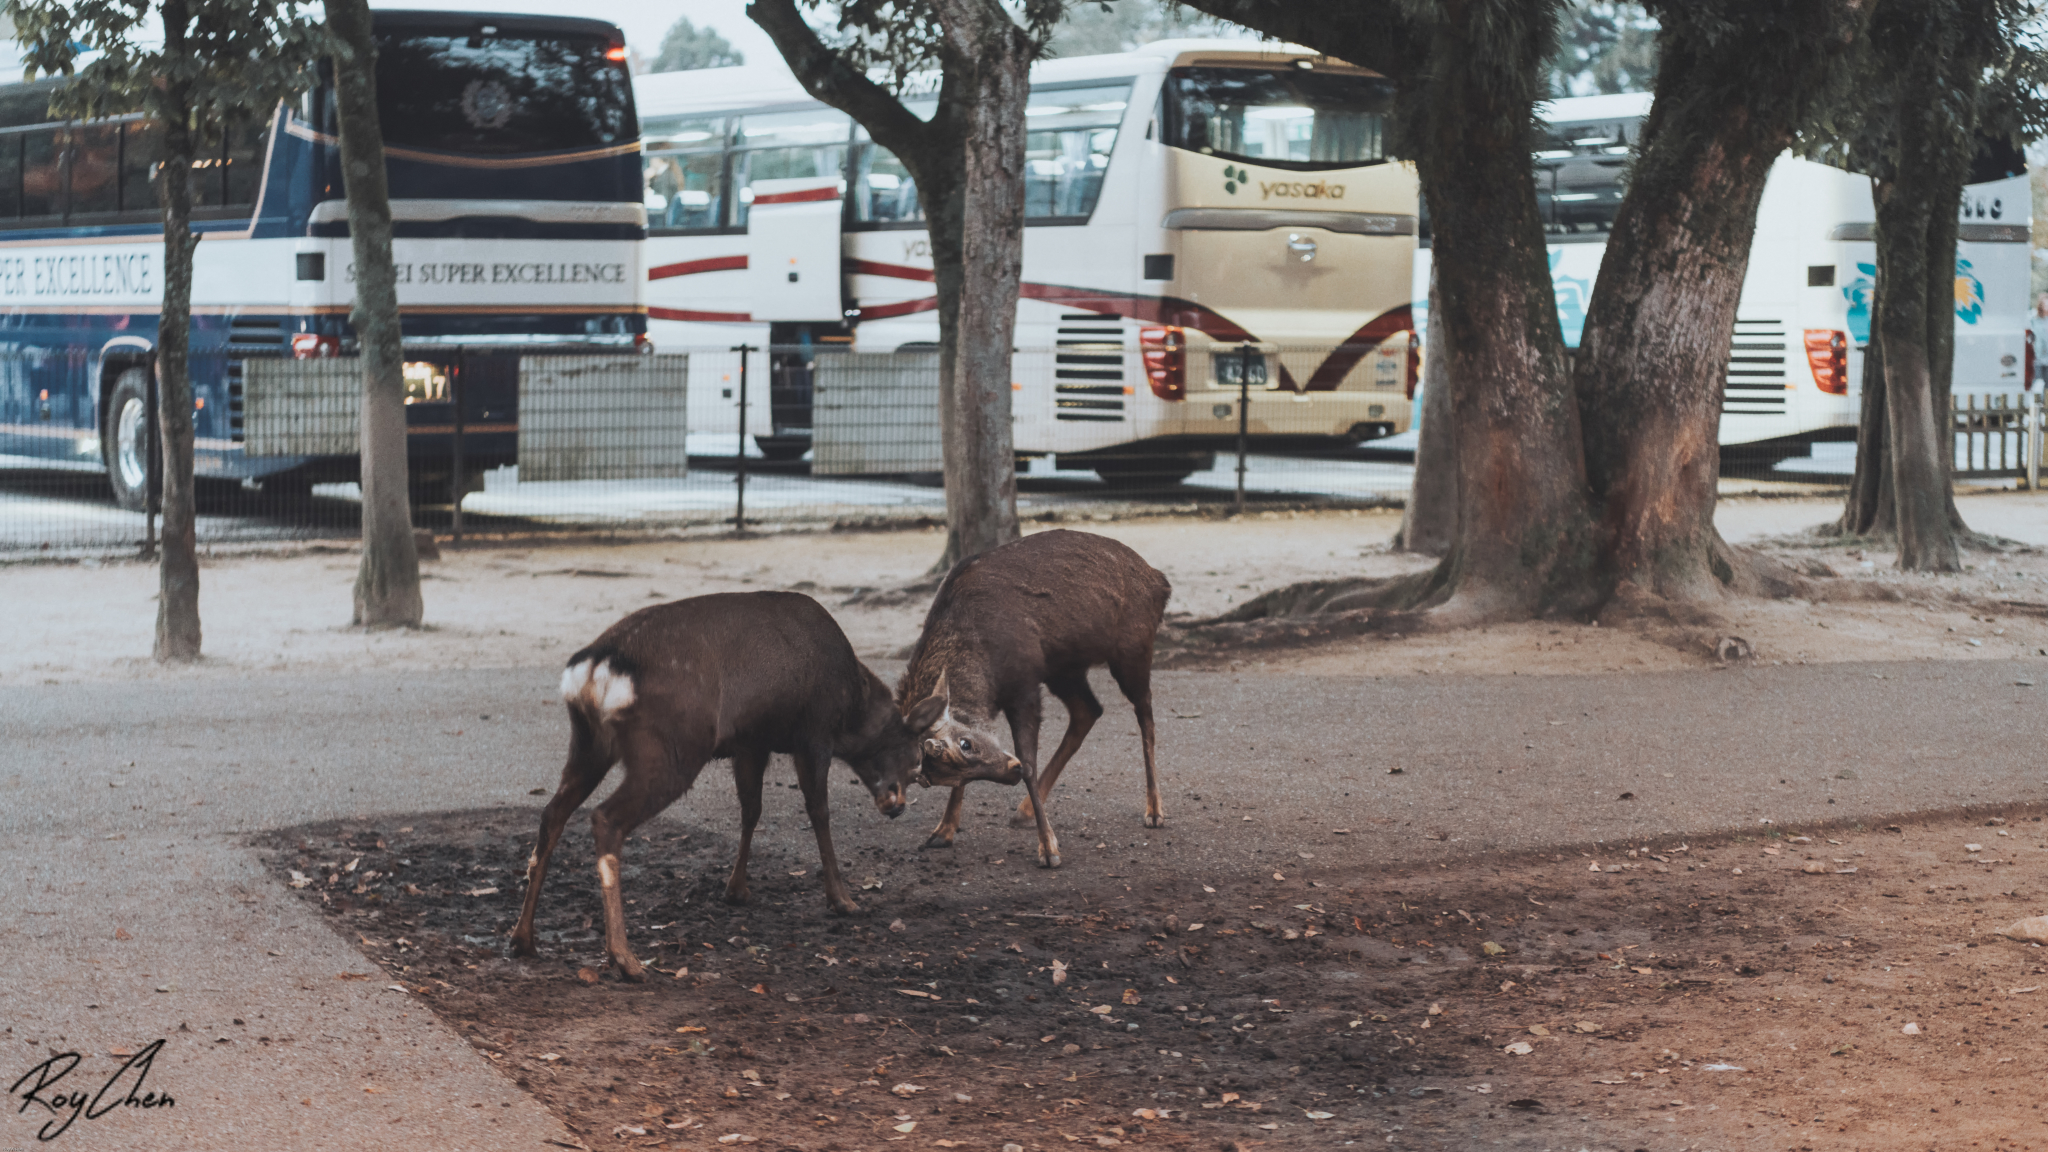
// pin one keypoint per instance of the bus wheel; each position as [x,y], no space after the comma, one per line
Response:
[1128,477]
[124,443]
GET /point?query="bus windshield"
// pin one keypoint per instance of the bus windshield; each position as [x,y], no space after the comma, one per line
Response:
[468,92]
[1296,119]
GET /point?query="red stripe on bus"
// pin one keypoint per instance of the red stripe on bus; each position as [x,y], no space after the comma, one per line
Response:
[1339,363]
[804,197]
[691,267]
[892,271]
[706,317]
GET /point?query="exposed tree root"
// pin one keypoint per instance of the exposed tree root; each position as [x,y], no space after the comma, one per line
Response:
[922,588]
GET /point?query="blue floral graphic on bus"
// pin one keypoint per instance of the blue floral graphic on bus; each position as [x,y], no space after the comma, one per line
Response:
[1858,293]
[1969,293]
[1572,294]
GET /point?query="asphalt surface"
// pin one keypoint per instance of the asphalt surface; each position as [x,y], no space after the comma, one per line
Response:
[136,910]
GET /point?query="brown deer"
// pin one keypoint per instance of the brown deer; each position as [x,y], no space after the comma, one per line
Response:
[1042,610]
[737,675]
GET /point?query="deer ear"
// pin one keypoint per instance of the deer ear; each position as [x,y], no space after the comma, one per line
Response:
[926,712]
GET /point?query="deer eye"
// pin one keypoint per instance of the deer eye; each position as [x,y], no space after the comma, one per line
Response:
[966,745]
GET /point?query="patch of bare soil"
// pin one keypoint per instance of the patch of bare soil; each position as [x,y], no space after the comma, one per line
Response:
[1810,988]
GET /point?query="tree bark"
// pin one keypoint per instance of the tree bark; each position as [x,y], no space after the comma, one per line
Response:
[1654,356]
[1868,509]
[1522,514]
[1430,521]
[387,590]
[1899,325]
[993,56]
[177,610]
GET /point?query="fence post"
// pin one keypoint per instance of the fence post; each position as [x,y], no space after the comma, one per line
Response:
[2034,430]
[152,467]
[739,519]
[1244,393]
[455,395]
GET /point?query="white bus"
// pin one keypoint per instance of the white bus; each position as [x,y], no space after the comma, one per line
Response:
[1795,369]
[1183,200]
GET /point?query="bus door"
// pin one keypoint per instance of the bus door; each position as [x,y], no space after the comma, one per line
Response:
[793,236]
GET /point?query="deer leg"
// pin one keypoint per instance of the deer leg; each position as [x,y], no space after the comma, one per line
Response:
[1083,710]
[654,778]
[1135,678]
[586,768]
[748,767]
[942,836]
[1024,717]
[813,774]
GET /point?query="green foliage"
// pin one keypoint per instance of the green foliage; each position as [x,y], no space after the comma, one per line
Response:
[900,39]
[688,47]
[1103,26]
[239,56]
[1604,47]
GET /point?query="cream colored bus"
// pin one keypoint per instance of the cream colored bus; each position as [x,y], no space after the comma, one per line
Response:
[1184,200]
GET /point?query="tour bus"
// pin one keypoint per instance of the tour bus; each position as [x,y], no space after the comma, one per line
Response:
[1795,369]
[1183,201]
[513,156]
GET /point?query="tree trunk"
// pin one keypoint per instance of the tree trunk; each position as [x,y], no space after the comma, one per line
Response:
[1899,326]
[1522,515]
[1654,356]
[1868,509]
[387,591]
[993,55]
[177,608]
[1430,521]
[1943,227]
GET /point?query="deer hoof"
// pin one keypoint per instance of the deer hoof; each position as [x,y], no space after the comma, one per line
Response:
[939,840]
[1023,818]
[523,946]
[1048,859]
[738,895]
[1155,820]
[842,905]
[629,969]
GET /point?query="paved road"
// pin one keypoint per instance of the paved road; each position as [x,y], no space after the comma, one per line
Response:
[134,911]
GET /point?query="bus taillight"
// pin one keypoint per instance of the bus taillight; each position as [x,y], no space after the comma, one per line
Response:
[1414,363]
[313,346]
[1166,361]
[1827,353]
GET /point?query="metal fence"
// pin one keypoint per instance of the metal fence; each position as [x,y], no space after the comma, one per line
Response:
[700,440]
[1998,436]
[504,443]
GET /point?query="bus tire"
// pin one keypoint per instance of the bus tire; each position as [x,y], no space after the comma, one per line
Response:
[1128,476]
[124,441]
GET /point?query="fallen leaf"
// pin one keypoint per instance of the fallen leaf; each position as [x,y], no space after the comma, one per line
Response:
[481,892]
[1911,1029]
[907,1089]
[1538,1030]
[1320,1115]
[759,989]
[907,1126]
[922,995]
[1102,1009]
[692,1028]
[1519,1048]
[1586,1026]
[1059,973]
[1131,996]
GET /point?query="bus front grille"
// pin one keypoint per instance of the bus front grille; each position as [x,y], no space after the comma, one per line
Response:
[249,336]
[1756,382]
[1088,368]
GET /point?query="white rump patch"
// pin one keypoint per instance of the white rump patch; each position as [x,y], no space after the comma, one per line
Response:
[597,687]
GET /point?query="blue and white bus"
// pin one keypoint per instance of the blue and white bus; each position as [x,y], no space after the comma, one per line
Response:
[512,148]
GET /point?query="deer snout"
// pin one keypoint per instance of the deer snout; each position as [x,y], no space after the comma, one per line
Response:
[1013,772]
[891,801]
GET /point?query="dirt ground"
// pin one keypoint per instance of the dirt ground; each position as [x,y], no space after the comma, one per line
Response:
[509,606]
[1800,988]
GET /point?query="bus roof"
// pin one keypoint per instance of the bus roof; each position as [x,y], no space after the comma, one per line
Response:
[1573,109]
[771,84]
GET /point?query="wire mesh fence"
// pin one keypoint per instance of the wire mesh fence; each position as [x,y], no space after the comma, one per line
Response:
[504,442]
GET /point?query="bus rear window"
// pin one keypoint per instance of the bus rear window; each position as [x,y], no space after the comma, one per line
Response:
[1296,119]
[466,92]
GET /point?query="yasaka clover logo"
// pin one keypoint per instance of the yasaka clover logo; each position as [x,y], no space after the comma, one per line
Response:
[1234,178]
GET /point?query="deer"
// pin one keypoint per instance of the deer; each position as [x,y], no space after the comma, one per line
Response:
[728,676]
[1042,610]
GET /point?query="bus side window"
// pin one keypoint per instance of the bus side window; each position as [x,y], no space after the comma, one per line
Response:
[141,145]
[95,169]
[244,175]
[783,164]
[41,174]
[883,190]
[685,190]
[10,177]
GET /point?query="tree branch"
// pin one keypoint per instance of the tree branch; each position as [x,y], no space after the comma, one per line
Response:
[828,75]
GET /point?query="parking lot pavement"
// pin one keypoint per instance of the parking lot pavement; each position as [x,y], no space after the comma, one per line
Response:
[138,913]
